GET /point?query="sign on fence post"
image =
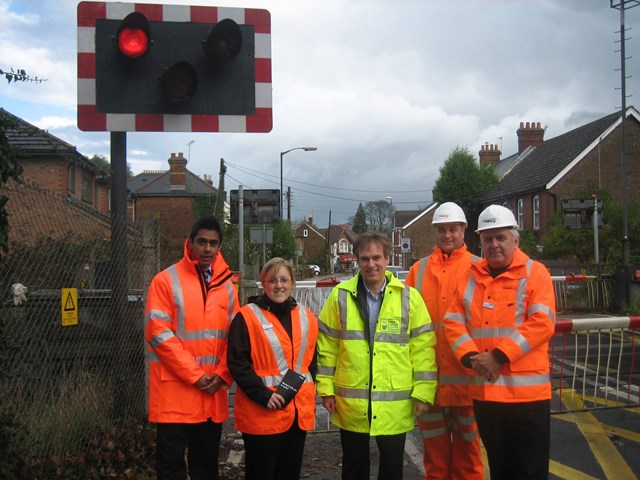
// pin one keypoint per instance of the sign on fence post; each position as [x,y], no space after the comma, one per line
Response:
[69,306]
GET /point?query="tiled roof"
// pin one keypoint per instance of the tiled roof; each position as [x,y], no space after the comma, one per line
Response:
[157,184]
[336,231]
[32,141]
[535,170]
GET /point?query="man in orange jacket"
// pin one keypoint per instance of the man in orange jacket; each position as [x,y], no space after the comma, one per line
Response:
[449,431]
[499,325]
[189,308]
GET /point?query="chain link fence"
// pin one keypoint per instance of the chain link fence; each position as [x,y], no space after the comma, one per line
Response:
[66,385]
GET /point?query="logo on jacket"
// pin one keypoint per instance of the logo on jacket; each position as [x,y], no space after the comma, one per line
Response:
[390,325]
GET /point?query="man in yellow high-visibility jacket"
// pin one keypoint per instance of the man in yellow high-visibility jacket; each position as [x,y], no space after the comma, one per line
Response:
[376,361]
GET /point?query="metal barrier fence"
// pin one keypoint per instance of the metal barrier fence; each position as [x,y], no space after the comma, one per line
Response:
[66,385]
[594,363]
[582,292]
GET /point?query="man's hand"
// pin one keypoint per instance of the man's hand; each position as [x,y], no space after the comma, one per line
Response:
[210,383]
[420,408]
[275,402]
[329,403]
[485,365]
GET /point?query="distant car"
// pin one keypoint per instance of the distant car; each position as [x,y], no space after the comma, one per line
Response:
[315,269]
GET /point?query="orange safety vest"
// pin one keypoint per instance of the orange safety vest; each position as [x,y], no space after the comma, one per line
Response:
[186,327]
[272,354]
[515,313]
[436,277]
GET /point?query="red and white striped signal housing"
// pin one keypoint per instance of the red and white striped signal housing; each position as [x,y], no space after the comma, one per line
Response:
[173,68]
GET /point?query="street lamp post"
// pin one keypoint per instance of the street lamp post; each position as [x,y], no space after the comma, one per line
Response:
[282,154]
[393,231]
[189,150]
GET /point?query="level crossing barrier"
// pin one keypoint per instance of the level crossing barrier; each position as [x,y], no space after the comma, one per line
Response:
[582,292]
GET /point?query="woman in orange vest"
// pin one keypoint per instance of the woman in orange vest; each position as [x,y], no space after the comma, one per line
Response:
[272,358]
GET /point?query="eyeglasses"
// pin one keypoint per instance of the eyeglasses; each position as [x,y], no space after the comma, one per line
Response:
[203,242]
[282,281]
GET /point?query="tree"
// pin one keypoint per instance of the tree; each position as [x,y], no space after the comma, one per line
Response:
[358,222]
[9,169]
[102,163]
[379,215]
[463,181]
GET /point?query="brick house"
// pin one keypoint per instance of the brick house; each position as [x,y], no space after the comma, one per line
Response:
[341,240]
[57,166]
[312,242]
[535,180]
[168,195]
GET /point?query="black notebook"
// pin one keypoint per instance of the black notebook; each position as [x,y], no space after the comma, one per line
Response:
[289,386]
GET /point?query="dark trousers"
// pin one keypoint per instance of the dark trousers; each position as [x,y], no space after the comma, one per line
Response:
[274,457]
[516,437]
[355,455]
[200,440]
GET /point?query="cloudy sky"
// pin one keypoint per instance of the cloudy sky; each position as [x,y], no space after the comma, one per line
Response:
[384,89]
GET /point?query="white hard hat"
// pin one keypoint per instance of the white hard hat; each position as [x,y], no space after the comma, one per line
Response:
[496,216]
[448,212]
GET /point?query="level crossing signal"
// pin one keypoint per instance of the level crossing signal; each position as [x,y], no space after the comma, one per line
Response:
[144,67]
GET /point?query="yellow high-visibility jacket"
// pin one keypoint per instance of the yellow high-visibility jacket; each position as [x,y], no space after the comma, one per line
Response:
[400,367]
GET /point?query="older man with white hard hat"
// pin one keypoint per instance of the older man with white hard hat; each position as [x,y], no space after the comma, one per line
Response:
[449,430]
[499,325]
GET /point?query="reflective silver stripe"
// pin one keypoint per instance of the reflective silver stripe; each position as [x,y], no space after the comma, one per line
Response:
[427,327]
[208,360]
[160,338]
[231,290]
[434,432]
[405,303]
[521,341]
[342,306]
[475,258]
[390,396]
[467,298]
[204,334]
[465,337]
[328,371]
[361,393]
[422,267]
[464,420]
[159,315]
[392,338]
[417,376]
[492,332]
[304,331]
[274,341]
[433,416]
[469,436]
[178,300]
[353,335]
[539,307]
[328,331]
[457,379]
[521,380]
[521,298]
[456,317]
[151,356]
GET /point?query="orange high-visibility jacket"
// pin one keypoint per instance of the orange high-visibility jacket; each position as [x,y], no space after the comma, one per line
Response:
[515,313]
[272,354]
[186,328]
[436,277]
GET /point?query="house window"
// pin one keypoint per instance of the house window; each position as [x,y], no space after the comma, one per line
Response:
[305,233]
[72,178]
[344,247]
[520,213]
[536,212]
[87,188]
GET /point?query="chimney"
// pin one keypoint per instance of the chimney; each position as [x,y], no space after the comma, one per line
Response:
[311,219]
[529,135]
[207,179]
[177,172]
[489,155]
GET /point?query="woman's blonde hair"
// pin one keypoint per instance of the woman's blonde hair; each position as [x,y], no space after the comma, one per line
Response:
[271,268]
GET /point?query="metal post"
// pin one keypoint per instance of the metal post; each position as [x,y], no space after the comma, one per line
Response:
[281,188]
[596,252]
[241,241]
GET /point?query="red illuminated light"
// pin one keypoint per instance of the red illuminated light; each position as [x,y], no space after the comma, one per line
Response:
[133,42]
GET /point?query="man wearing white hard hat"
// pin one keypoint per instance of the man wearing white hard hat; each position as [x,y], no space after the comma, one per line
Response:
[449,430]
[499,325]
